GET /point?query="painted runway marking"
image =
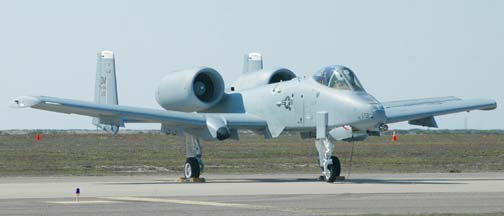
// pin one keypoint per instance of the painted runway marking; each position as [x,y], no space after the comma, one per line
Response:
[83,202]
[229,205]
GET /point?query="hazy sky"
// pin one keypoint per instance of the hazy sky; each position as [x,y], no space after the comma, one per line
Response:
[398,49]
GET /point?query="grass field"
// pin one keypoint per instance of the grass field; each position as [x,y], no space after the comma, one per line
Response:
[133,154]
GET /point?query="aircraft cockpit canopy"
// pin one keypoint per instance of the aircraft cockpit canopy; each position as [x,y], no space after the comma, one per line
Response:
[338,77]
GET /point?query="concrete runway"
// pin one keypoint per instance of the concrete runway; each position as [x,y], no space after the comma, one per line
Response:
[289,194]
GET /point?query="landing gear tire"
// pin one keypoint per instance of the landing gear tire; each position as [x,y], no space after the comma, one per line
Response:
[192,168]
[333,169]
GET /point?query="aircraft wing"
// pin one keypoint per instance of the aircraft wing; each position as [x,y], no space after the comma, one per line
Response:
[422,111]
[118,115]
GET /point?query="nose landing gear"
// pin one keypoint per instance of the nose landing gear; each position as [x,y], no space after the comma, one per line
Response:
[332,170]
[329,164]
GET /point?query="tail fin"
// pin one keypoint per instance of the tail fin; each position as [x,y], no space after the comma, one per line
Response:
[252,62]
[105,86]
[106,89]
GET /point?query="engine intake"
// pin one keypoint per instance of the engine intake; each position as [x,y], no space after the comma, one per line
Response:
[190,90]
[203,87]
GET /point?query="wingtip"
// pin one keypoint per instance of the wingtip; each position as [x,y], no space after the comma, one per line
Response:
[24,102]
[492,104]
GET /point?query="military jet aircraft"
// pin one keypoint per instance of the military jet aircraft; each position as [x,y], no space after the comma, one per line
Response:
[332,105]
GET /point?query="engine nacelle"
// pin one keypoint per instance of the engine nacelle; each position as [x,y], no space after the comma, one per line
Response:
[190,90]
[262,77]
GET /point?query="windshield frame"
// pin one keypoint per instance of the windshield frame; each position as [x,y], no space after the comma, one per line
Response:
[339,78]
[338,81]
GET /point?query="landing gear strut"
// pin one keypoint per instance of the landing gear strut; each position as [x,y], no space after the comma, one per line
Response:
[329,164]
[193,166]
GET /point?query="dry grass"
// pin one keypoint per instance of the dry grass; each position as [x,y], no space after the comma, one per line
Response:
[125,154]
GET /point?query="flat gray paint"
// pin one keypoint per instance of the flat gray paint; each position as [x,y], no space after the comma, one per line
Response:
[193,103]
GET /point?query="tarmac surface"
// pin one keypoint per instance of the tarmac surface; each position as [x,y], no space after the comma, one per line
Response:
[271,194]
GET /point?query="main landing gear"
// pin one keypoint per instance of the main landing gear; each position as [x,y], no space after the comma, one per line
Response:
[193,166]
[330,165]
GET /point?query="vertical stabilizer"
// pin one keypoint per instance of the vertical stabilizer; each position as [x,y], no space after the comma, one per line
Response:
[252,62]
[105,85]
[106,89]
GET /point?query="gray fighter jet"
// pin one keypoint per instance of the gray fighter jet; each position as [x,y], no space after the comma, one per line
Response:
[331,105]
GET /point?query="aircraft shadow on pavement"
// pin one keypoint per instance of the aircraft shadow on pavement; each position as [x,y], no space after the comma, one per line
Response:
[421,181]
[230,181]
[403,181]
[347,181]
[293,180]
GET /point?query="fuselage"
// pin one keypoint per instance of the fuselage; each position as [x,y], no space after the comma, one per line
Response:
[296,102]
[293,105]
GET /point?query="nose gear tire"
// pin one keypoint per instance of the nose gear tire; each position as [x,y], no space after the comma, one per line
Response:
[334,168]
